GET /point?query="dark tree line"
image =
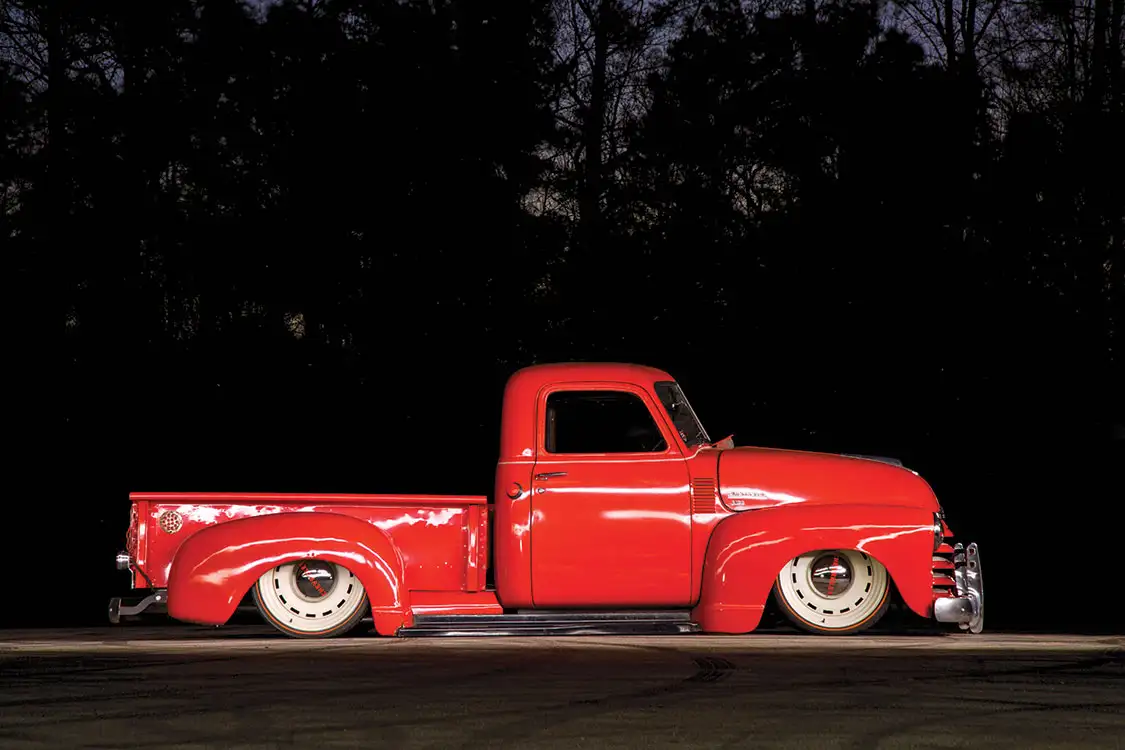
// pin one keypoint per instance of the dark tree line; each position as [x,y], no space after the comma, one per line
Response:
[913,203]
[299,245]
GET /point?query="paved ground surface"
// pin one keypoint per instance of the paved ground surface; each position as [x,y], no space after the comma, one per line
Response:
[184,687]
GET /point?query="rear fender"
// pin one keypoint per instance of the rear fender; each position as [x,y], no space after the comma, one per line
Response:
[748,550]
[215,567]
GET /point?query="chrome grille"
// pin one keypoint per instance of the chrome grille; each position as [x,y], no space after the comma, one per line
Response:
[944,585]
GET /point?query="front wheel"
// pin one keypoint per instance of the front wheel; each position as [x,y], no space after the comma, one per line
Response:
[833,592]
[311,599]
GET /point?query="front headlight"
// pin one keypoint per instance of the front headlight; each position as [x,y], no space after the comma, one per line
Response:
[939,532]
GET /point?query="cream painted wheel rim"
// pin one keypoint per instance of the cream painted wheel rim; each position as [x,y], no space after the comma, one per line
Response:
[310,596]
[834,590]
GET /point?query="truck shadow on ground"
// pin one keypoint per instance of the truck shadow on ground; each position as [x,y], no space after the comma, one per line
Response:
[247,623]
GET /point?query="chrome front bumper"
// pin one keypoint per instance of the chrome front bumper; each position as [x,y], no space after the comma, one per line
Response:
[967,608]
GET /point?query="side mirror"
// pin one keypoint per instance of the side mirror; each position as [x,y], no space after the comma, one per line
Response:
[726,443]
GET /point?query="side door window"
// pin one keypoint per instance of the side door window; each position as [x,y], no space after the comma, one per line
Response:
[600,422]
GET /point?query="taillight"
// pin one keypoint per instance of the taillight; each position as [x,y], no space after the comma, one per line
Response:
[133,557]
[131,534]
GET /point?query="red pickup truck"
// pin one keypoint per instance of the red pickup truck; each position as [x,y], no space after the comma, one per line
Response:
[614,512]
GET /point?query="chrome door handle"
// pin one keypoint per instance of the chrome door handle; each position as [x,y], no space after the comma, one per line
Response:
[549,474]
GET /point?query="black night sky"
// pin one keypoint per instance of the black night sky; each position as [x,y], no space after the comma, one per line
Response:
[300,245]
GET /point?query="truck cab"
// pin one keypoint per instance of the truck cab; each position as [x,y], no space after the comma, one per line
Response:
[613,511]
[604,488]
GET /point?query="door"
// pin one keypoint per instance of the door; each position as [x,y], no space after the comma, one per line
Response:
[611,504]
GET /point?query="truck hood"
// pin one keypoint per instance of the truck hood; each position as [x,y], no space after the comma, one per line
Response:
[754,478]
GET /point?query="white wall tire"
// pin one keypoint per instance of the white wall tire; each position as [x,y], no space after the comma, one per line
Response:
[833,592]
[311,599]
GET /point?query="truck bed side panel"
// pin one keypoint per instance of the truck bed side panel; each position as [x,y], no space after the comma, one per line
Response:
[431,532]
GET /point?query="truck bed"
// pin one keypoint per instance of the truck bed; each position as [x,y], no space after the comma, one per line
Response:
[290,498]
[443,539]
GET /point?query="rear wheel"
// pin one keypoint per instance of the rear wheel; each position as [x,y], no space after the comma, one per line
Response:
[833,592]
[311,599]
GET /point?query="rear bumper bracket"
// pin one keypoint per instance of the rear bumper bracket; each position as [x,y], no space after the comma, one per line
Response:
[128,607]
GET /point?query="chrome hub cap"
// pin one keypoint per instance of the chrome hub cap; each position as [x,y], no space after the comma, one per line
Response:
[314,579]
[831,575]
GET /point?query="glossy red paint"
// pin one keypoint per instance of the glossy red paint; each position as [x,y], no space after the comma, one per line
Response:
[432,530]
[455,603]
[605,519]
[610,530]
[520,428]
[441,541]
[747,553]
[707,511]
[756,478]
[701,528]
[215,567]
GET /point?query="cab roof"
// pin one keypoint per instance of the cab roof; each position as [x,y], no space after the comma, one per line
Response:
[611,371]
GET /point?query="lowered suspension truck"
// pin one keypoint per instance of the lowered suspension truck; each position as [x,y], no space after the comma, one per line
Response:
[613,512]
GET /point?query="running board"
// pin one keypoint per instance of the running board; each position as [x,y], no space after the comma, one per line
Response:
[552,623]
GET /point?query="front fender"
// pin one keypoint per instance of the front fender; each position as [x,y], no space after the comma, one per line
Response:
[747,551]
[215,567]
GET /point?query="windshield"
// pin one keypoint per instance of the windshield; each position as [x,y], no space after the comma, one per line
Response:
[681,414]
